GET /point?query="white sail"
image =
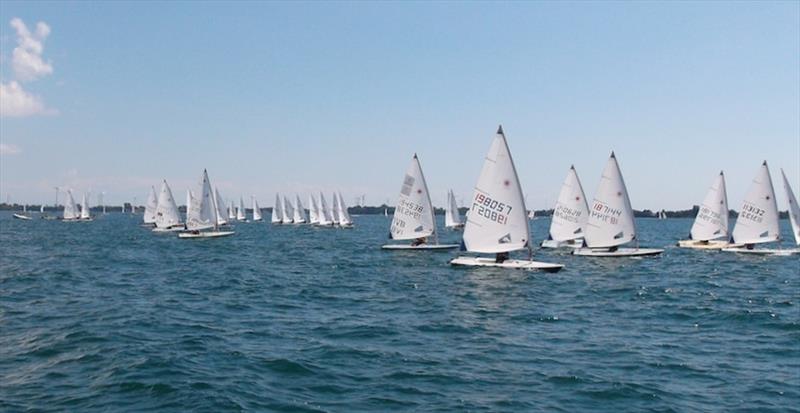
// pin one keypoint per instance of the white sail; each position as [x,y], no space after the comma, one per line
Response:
[231,211]
[288,211]
[335,209]
[413,214]
[240,216]
[202,213]
[497,221]
[571,211]
[325,216]
[70,209]
[451,216]
[611,222]
[277,210]
[344,216]
[794,209]
[219,203]
[712,218]
[150,207]
[85,207]
[299,216]
[313,210]
[188,203]
[758,217]
[167,215]
[41,209]
[256,210]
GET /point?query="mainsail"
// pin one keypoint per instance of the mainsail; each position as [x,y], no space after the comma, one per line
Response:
[277,210]
[571,211]
[712,218]
[167,211]
[70,209]
[758,217]
[611,222]
[202,213]
[413,215]
[150,207]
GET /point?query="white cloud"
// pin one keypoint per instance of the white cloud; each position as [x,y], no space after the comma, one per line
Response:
[9,149]
[16,102]
[26,59]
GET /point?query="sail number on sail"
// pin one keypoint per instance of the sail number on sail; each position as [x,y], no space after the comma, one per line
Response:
[491,209]
[752,213]
[707,215]
[567,214]
[407,208]
[603,212]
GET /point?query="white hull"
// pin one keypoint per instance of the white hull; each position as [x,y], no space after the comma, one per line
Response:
[20,216]
[513,264]
[173,229]
[706,245]
[620,252]
[206,234]
[428,247]
[764,251]
[574,243]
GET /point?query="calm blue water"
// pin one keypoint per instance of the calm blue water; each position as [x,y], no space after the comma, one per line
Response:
[106,316]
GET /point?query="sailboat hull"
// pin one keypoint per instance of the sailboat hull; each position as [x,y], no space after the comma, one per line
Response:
[512,264]
[574,243]
[424,247]
[763,251]
[23,217]
[207,234]
[620,252]
[173,229]
[705,245]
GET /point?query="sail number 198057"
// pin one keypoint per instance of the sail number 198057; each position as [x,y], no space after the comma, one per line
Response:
[491,209]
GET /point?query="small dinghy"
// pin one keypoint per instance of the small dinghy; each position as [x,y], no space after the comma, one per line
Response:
[256,210]
[758,221]
[452,219]
[414,215]
[277,210]
[24,215]
[219,205]
[299,213]
[149,218]
[710,228]
[313,210]
[344,217]
[240,212]
[288,211]
[325,213]
[497,222]
[168,218]
[569,215]
[611,222]
[71,212]
[202,218]
[85,211]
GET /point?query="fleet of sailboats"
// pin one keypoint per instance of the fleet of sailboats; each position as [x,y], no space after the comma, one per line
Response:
[202,218]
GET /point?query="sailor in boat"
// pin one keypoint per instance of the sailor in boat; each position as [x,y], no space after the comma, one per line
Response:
[419,241]
[501,257]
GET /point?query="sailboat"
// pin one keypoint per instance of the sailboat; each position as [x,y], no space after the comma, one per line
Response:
[149,217]
[758,221]
[794,212]
[24,215]
[335,210]
[414,215]
[386,212]
[325,216]
[219,205]
[85,214]
[344,217]
[288,211]
[662,214]
[202,219]
[710,228]
[240,213]
[452,219]
[313,210]
[277,210]
[498,223]
[256,210]
[71,212]
[299,213]
[569,215]
[231,212]
[168,218]
[611,221]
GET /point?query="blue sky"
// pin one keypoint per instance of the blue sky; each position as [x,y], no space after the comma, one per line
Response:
[292,97]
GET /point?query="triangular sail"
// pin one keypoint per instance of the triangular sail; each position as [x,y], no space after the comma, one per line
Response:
[288,211]
[452,218]
[335,209]
[167,211]
[240,216]
[219,203]
[202,214]
[299,215]
[571,211]
[413,215]
[256,210]
[344,215]
[70,209]
[325,216]
[758,217]
[277,210]
[497,221]
[712,218]
[611,222]
[313,210]
[188,203]
[85,207]
[794,209]
[150,207]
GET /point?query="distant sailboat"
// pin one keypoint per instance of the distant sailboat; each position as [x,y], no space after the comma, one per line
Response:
[335,210]
[219,204]
[288,211]
[299,215]
[325,216]
[24,215]
[277,210]
[240,215]
[313,210]
[452,219]
[710,228]
[344,217]
[85,213]
[256,210]
[794,212]
[71,212]
[414,215]
[168,218]
[202,221]
[231,212]
[149,217]
[611,221]
[758,221]
[569,215]
[498,223]
[386,212]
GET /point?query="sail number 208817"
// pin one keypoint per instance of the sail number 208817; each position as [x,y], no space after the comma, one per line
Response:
[491,209]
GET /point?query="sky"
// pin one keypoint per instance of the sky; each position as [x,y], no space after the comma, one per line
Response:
[268,96]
